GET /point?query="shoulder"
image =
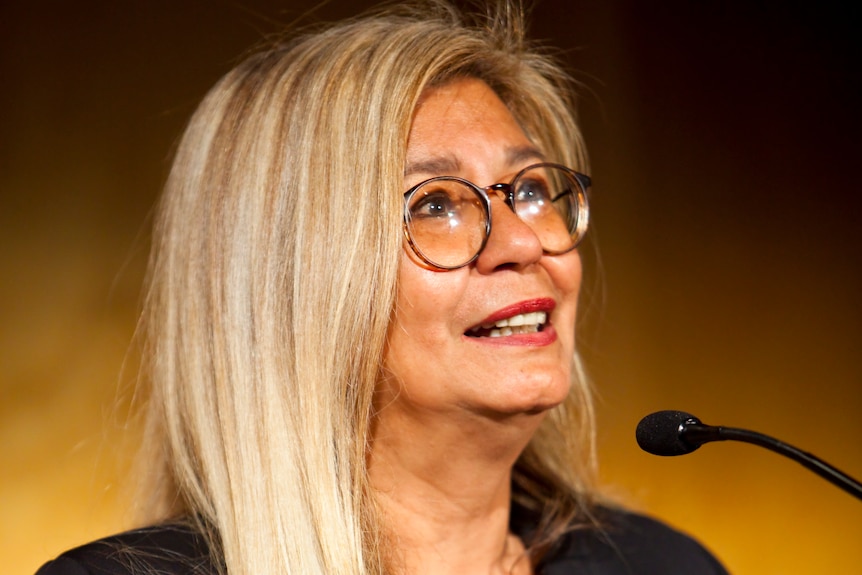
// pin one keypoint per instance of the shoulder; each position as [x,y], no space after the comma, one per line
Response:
[164,549]
[628,543]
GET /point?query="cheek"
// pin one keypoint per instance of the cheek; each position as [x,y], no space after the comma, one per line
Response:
[426,313]
[429,299]
[566,273]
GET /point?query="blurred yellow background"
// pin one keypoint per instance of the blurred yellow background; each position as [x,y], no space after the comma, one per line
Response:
[725,154]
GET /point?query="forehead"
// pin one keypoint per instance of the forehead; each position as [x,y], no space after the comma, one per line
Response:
[462,122]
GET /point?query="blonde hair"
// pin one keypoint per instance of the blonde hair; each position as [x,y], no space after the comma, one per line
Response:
[272,282]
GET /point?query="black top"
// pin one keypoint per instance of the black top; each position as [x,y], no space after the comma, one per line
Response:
[627,544]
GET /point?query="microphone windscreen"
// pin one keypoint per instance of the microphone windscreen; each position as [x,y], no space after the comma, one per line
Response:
[659,433]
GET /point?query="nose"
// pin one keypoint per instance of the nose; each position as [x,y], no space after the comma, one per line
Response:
[512,243]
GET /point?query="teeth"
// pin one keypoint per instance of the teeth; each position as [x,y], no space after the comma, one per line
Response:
[537,317]
[521,323]
[518,329]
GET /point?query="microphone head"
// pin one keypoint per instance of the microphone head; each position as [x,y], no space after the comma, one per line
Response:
[659,433]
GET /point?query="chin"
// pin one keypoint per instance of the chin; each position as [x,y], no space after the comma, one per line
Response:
[533,398]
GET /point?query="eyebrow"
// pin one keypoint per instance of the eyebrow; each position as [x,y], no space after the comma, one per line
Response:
[449,164]
[439,165]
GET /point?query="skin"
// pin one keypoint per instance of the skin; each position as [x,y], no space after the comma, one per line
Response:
[454,412]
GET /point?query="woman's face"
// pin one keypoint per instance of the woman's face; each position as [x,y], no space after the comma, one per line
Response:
[436,363]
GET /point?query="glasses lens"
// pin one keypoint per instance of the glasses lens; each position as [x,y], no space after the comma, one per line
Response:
[551,201]
[446,222]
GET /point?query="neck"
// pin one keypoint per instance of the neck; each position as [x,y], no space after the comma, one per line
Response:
[444,488]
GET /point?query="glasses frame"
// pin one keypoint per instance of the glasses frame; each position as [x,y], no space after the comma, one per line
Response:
[506,192]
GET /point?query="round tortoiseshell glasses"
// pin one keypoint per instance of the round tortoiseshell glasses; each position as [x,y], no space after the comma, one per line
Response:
[447,220]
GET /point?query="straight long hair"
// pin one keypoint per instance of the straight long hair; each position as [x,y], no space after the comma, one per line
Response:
[272,283]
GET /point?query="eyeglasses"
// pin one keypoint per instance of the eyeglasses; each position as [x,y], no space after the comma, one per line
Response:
[447,220]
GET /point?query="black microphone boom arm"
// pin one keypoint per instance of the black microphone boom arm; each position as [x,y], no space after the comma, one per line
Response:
[699,433]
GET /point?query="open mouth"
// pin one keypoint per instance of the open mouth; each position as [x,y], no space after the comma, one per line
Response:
[522,323]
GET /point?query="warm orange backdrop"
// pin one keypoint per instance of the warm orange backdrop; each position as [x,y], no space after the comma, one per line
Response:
[725,146]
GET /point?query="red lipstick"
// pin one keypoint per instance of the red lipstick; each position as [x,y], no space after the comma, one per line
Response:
[545,336]
[540,304]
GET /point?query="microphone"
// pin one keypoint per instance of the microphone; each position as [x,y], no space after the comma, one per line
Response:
[669,433]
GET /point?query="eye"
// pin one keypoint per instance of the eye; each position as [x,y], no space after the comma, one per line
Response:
[533,192]
[433,204]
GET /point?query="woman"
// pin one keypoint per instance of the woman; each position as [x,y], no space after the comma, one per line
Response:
[360,320]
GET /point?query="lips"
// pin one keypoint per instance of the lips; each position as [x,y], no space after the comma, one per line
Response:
[523,318]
